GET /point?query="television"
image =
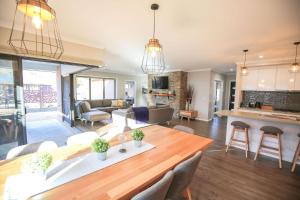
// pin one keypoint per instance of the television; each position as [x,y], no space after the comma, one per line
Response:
[160,82]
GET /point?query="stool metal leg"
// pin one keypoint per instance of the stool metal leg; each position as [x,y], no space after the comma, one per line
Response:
[247,142]
[296,156]
[230,140]
[260,141]
[279,150]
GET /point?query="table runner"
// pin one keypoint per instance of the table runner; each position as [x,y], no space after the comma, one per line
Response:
[22,186]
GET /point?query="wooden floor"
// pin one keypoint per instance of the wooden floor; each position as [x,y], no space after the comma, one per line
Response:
[231,176]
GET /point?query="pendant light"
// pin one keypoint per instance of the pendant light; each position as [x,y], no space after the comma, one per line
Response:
[244,70]
[35,30]
[153,59]
[295,66]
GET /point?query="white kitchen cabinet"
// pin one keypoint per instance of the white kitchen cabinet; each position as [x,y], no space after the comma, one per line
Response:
[249,81]
[266,79]
[284,79]
[297,81]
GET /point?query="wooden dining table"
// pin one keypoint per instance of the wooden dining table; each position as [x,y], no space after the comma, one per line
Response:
[124,179]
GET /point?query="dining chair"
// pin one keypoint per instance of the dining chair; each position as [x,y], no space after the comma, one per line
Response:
[184,129]
[183,174]
[158,190]
[46,146]
[82,138]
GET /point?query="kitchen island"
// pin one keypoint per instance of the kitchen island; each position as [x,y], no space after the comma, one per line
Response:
[289,123]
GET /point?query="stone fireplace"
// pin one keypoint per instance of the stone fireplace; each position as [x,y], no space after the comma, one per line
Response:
[177,86]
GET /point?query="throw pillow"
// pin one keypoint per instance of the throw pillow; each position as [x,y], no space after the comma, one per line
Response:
[114,103]
[120,103]
[86,107]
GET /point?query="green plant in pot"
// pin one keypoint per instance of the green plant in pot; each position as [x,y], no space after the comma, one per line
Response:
[38,164]
[100,146]
[137,136]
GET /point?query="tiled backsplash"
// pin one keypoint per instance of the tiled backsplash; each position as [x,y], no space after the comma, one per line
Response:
[279,100]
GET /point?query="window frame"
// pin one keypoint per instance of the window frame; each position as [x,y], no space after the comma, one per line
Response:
[90,88]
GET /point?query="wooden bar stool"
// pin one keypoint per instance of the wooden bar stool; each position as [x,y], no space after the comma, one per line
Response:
[240,127]
[271,132]
[296,156]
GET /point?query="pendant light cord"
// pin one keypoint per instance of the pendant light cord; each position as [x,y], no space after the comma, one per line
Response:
[153,25]
[245,58]
[296,53]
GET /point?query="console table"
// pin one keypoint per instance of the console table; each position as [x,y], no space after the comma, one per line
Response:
[189,114]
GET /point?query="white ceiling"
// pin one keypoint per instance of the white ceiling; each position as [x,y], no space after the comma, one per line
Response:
[195,34]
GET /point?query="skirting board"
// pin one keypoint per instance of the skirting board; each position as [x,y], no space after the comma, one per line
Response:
[202,119]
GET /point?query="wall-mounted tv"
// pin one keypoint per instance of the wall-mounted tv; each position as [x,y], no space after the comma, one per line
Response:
[160,82]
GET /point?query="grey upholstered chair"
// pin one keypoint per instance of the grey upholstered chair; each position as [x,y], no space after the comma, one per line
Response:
[157,191]
[184,129]
[46,146]
[183,174]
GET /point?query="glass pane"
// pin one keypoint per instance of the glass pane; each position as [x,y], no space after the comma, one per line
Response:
[82,88]
[40,91]
[8,111]
[109,88]
[96,88]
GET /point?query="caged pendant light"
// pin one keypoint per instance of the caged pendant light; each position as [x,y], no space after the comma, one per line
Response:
[153,59]
[244,70]
[35,31]
[295,66]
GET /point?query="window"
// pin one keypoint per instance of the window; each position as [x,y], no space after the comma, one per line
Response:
[109,89]
[82,88]
[95,88]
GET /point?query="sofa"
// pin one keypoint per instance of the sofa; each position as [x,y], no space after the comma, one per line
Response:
[97,110]
[157,115]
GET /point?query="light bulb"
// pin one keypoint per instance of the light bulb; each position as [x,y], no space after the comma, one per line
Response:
[295,68]
[37,21]
[244,71]
[153,53]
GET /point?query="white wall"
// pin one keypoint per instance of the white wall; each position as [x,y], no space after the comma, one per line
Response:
[201,81]
[141,81]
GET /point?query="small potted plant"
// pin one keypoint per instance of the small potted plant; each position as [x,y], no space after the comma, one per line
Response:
[137,136]
[100,146]
[38,164]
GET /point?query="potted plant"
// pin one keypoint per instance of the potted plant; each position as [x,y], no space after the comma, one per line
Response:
[100,146]
[137,136]
[38,164]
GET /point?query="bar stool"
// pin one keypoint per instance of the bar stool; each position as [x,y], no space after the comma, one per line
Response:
[240,127]
[272,132]
[296,156]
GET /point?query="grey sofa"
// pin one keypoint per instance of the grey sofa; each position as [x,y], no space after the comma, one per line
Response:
[157,115]
[95,110]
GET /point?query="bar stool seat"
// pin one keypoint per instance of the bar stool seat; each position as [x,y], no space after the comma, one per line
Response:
[296,155]
[239,124]
[273,132]
[241,127]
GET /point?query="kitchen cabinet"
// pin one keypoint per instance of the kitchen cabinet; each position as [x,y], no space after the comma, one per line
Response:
[249,81]
[266,79]
[284,79]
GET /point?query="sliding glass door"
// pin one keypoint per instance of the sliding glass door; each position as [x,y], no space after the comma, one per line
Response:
[12,110]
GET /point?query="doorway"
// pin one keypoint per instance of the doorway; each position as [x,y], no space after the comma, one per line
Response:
[130,92]
[218,95]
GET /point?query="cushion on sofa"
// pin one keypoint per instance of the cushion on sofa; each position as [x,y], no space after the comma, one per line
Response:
[120,103]
[106,102]
[96,103]
[85,106]
[114,103]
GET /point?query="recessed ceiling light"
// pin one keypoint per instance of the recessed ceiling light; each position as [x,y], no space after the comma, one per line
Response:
[261,56]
